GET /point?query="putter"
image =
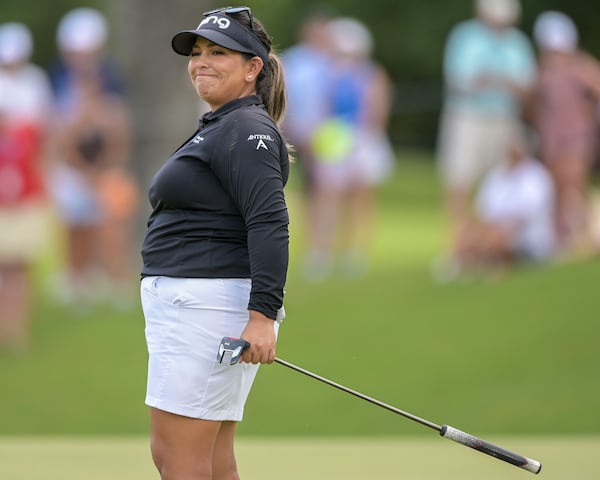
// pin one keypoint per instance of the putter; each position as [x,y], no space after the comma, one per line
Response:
[237,346]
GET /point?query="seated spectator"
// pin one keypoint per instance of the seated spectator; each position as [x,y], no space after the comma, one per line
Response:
[512,219]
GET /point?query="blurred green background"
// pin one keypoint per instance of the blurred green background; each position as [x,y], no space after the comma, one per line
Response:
[513,360]
[513,355]
[517,356]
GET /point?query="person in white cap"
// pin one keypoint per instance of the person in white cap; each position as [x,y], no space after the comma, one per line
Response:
[564,107]
[81,38]
[94,192]
[24,86]
[82,30]
[24,113]
[489,65]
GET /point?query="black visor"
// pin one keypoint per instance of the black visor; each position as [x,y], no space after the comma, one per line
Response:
[224,31]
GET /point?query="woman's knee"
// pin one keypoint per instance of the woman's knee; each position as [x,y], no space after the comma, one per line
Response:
[224,463]
[182,447]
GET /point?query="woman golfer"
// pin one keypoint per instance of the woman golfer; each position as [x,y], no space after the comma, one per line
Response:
[216,249]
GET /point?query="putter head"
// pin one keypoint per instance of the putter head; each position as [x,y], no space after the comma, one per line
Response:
[231,349]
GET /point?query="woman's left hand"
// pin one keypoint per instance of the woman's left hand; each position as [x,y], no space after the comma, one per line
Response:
[260,333]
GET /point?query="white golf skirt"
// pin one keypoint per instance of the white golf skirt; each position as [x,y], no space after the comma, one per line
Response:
[186,318]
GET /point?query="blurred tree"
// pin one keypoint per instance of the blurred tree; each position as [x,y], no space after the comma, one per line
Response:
[163,101]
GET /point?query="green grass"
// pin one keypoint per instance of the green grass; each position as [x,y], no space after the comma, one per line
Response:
[298,459]
[514,356]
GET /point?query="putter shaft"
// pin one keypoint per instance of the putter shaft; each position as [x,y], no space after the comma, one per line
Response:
[420,420]
[445,431]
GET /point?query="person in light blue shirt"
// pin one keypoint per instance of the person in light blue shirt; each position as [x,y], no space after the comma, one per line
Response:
[484,68]
[489,65]
[307,69]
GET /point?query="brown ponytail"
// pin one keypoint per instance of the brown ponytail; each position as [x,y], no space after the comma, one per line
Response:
[271,87]
[270,84]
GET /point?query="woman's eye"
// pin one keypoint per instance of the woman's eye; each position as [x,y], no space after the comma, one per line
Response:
[197,53]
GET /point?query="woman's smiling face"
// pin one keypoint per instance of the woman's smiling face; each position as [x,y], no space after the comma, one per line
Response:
[220,75]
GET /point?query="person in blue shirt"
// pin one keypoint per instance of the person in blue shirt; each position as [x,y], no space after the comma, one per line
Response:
[307,68]
[352,154]
[81,38]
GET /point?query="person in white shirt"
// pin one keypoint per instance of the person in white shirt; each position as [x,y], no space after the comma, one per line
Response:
[513,215]
[24,86]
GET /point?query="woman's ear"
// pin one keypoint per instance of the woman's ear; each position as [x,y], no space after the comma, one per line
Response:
[256,65]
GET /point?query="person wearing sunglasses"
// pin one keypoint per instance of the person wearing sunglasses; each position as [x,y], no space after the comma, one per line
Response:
[215,253]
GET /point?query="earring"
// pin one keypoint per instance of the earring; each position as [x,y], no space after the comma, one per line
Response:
[250,77]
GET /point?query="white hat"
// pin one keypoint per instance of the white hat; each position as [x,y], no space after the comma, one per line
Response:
[351,37]
[82,30]
[555,31]
[505,12]
[16,43]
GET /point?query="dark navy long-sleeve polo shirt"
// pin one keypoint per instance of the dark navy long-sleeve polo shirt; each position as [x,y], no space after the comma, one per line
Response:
[218,205]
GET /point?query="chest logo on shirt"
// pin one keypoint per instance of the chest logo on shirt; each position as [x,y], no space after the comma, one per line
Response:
[261,140]
[198,139]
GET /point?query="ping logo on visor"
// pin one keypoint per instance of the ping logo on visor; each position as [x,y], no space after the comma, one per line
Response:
[221,22]
[224,31]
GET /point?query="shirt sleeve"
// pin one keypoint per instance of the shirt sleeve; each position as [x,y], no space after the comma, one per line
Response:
[251,171]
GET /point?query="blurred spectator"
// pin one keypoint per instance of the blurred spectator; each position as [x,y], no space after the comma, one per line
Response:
[24,106]
[488,67]
[512,220]
[307,66]
[93,190]
[564,107]
[24,87]
[81,38]
[352,153]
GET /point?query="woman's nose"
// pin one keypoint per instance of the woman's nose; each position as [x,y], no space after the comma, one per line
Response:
[198,61]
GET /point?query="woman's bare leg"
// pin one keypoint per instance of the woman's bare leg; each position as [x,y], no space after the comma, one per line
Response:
[224,464]
[183,447]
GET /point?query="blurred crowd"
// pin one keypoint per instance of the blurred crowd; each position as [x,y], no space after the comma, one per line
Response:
[65,184]
[518,139]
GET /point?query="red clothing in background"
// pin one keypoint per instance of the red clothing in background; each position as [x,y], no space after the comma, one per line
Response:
[20,174]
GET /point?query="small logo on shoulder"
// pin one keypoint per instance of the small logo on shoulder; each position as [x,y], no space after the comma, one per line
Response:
[261,140]
[198,139]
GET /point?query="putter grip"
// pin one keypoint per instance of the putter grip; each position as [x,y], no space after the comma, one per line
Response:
[463,438]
